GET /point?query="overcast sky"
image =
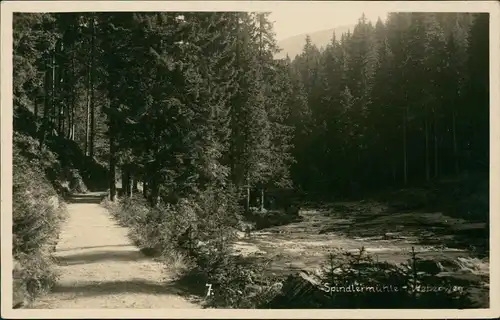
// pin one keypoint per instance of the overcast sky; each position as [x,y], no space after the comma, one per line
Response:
[291,21]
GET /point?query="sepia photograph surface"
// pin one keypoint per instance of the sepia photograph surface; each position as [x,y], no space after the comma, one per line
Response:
[206,157]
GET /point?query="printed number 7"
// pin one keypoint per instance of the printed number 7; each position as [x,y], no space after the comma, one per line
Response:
[210,292]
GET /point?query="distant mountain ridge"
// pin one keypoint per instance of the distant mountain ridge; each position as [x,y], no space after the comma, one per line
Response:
[294,45]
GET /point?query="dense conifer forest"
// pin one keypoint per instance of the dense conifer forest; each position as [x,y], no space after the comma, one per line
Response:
[187,100]
[200,125]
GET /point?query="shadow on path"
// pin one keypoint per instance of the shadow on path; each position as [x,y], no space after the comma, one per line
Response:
[93,197]
[93,247]
[116,287]
[100,289]
[100,256]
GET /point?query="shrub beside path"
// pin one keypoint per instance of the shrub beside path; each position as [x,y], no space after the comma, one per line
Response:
[100,268]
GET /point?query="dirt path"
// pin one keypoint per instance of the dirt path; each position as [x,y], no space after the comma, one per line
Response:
[100,268]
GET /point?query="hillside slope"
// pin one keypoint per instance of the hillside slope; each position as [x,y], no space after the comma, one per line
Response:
[293,45]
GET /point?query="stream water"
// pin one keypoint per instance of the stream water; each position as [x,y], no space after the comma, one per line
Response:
[304,245]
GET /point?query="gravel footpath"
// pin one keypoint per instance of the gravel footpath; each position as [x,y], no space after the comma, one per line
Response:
[100,268]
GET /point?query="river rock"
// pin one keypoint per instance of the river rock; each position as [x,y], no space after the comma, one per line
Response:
[300,290]
[428,266]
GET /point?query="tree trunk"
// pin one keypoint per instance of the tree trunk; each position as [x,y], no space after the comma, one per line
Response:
[92,96]
[405,169]
[67,128]
[47,102]
[132,182]
[154,192]
[135,181]
[436,146]
[59,83]
[73,110]
[455,143]
[73,102]
[124,182]
[262,199]
[62,127]
[112,163]
[53,89]
[128,179]
[247,202]
[393,167]
[128,186]
[145,189]
[64,104]
[87,114]
[234,147]
[427,164]
[36,108]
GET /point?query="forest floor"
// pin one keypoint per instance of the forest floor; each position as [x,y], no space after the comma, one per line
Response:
[303,245]
[100,268]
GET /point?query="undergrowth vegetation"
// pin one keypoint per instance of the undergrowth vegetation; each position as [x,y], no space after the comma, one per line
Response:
[194,237]
[37,212]
[356,280]
[406,285]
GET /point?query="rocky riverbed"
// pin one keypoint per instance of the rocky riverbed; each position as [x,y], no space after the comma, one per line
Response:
[438,239]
